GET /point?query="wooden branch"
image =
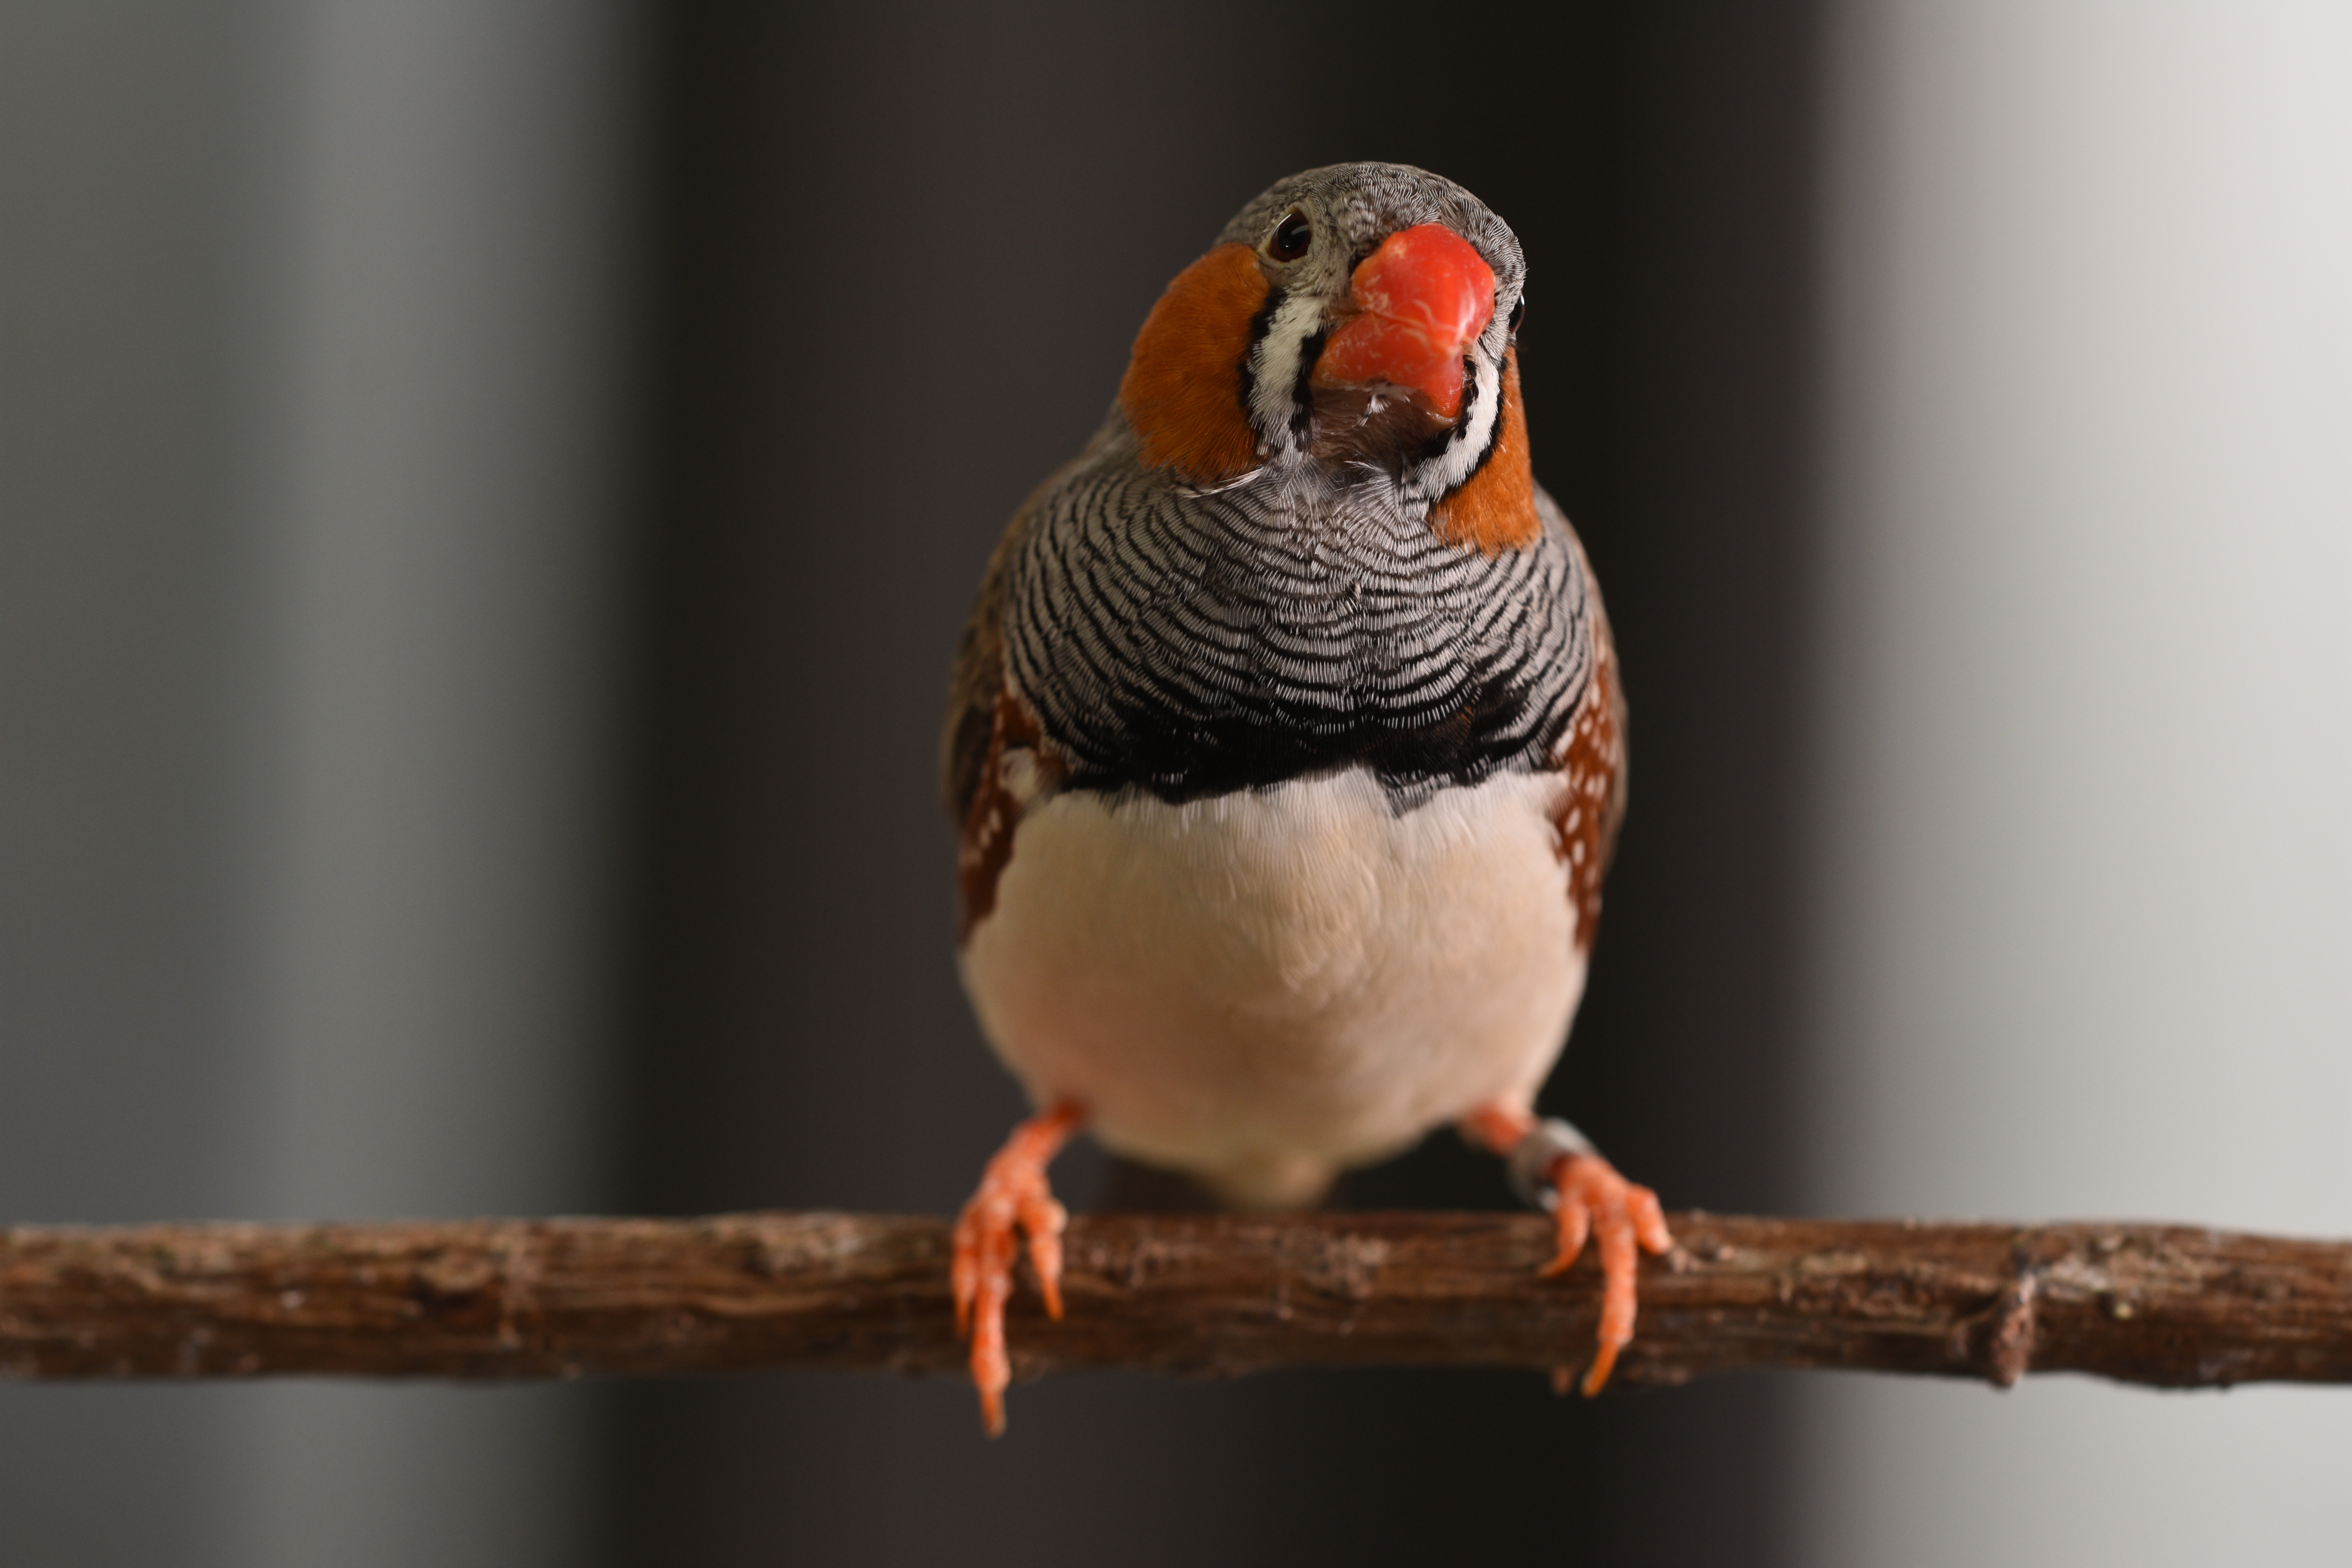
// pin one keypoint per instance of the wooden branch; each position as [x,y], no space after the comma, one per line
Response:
[1217,1295]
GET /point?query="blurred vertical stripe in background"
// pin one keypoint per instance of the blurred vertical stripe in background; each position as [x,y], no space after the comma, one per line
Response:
[449,462]
[2081,836]
[487,495]
[130,386]
[318,432]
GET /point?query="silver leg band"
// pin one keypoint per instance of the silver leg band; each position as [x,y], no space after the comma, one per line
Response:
[1534,1155]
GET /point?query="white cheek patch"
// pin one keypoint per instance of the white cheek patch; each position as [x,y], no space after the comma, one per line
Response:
[1431,480]
[1274,383]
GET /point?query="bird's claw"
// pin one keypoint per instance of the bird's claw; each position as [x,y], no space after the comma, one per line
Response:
[1013,1194]
[1593,1201]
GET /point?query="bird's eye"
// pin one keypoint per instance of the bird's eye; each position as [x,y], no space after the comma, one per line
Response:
[1291,237]
[1518,314]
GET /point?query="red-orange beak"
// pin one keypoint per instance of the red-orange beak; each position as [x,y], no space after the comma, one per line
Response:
[1420,299]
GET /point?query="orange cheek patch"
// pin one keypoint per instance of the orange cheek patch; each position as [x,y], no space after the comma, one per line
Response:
[1182,391]
[1495,509]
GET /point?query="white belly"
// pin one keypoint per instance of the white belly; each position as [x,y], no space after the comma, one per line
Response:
[1267,987]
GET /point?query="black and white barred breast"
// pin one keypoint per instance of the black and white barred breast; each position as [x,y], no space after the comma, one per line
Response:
[1190,644]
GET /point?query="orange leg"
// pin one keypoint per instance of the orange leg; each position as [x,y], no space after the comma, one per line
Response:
[1589,1199]
[1013,1191]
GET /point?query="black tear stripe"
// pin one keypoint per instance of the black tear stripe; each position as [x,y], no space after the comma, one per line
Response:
[1187,645]
[1302,395]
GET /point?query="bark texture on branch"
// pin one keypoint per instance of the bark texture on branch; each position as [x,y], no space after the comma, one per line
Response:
[1200,1294]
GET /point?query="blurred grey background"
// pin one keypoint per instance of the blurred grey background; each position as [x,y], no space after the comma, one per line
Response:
[487,495]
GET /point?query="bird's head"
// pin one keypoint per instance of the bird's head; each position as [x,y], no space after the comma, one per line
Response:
[1361,315]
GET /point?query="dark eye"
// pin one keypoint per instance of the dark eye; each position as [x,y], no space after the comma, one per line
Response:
[1518,314]
[1291,237]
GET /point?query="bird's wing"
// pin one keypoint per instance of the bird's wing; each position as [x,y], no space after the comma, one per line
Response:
[1592,807]
[1605,648]
[978,680]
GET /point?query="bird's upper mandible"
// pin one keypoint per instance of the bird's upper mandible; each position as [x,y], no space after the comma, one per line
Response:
[1361,318]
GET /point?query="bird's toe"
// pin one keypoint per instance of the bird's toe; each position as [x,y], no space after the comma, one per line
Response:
[1014,1200]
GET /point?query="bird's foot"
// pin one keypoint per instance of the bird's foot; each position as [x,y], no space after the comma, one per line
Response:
[1013,1193]
[1551,1162]
[1591,1199]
